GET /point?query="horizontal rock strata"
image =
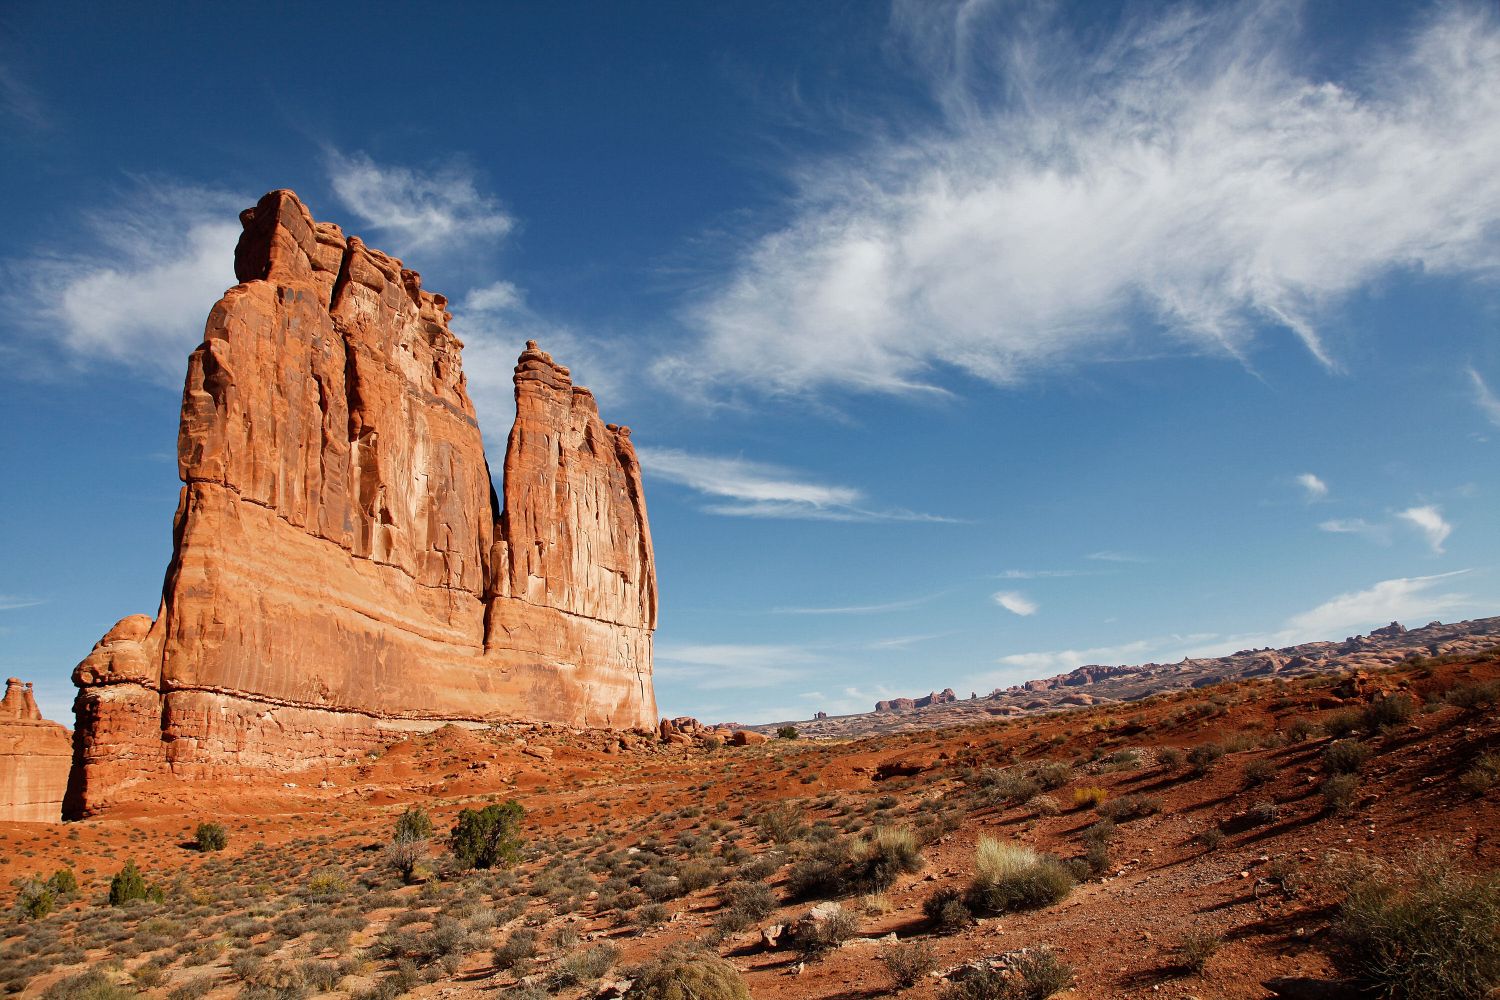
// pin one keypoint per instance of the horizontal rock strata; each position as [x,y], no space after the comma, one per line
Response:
[343,570]
[34,759]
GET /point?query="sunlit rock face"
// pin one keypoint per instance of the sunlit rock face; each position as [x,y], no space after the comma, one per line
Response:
[34,758]
[343,570]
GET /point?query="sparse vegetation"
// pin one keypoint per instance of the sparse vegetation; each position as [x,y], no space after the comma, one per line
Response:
[210,837]
[1010,876]
[1345,757]
[488,837]
[688,973]
[908,962]
[787,733]
[1195,951]
[129,885]
[1035,975]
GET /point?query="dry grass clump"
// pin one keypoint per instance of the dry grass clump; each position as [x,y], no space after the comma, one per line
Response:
[1088,796]
[688,973]
[908,962]
[1424,932]
[1036,975]
[1010,876]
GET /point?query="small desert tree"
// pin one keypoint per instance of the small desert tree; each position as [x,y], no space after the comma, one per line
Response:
[211,837]
[485,838]
[129,885]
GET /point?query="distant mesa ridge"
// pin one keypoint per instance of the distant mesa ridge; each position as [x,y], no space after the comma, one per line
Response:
[343,571]
[34,758]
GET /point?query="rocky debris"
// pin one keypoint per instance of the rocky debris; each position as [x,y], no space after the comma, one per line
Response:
[35,755]
[343,571]
[1003,963]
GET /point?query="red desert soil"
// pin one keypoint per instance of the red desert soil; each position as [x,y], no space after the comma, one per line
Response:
[604,812]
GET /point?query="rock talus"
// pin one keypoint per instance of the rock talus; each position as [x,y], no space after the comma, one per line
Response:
[342,569]
[34,759]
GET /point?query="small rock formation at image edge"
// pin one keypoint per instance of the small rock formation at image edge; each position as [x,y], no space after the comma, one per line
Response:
[34,758]
[342,570]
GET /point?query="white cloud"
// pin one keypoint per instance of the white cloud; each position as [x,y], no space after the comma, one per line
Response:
[12,602]
[139,294]
[717,666]
[744,488]
[1357,526]
[440,211]
[1045,574]
[858,609]
[1405,598]
[1016,603]
[1187,170]
[1056,661]
[1429,521]
[1115,557]
[1315,488]
[1488,402]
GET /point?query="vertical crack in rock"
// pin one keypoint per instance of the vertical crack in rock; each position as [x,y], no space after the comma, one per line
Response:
[316,606]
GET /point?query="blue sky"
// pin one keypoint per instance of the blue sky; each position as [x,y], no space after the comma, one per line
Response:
[964,342]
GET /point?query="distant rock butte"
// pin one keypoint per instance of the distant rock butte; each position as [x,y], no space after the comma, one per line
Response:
[343,571]
[34,759]
[943,697]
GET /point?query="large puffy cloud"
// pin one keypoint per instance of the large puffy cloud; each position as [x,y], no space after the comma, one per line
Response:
[1182,186]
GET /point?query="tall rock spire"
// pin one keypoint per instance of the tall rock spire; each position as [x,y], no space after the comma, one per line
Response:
[340,571]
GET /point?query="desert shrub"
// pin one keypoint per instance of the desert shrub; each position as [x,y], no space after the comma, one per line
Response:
[651,915]
[1482,776]
[130,885]
[1053,775]
[947,911]
[1211,838]
[1392,710]
[1345,757]
[1423,933]
[1339,792]
[584,966]
[1045,805]
[210,837]
[192,989]
[1096,840]
[518,949]
[1010,876]
[1475,697]
[1300,729]
[908,962]
[1195,950]
[1035,975]
[1088,796]
[63,882]
[1202,758]
[488,837]
[322,976]
[1122,760]
[413,824]
[1343,723]
[1263,813]
[712,743]
[877,861]
[1170,757]
[818,937]
[782,825]
[35,900]
[821,872]
[744,903]
[1130,807]
[688,973]
[1259,772]
[91,985]
[405,857]
[1010,786]
[787,733]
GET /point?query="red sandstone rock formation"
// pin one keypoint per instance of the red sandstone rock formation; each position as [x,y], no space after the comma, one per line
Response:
[34,759]
[343,570]
[943,697]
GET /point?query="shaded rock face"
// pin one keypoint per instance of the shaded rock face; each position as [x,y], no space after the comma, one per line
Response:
[343,570]
[34,759]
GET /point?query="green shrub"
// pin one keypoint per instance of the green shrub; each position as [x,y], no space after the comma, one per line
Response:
[1259,772]
[782,825]
[130,885]
[63,882]
[1393,710]
[685,972]
[1010,876]
[210,837]
[35,900]
[488,837]
[877,861]
[1343,723]
[413,824]
[815,938]
[90,985]
[1202,758]
[1011,786]
[584,967]
[787,733]
[1424,933]
[1170,757]
[1475,697]
[1301,729]
[1345,757]
[908,962]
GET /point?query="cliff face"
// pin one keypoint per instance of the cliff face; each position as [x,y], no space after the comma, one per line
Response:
[342,568]
[34,759]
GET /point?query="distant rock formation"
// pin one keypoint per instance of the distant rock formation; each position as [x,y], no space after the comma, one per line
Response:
[943,697]
[34,759]
[343,570]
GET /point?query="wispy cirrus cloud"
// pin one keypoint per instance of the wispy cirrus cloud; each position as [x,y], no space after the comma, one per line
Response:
[1484,397]
[1188,168]
[1017,603]
[13,602]
[740,487]
[719,666]
[440,210]
[1428,520]
[858,609]
[1110,556]
[1375,532]
[1046,574]
[1409,598]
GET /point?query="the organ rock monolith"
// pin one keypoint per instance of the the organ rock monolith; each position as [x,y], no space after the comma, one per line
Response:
[343,571]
